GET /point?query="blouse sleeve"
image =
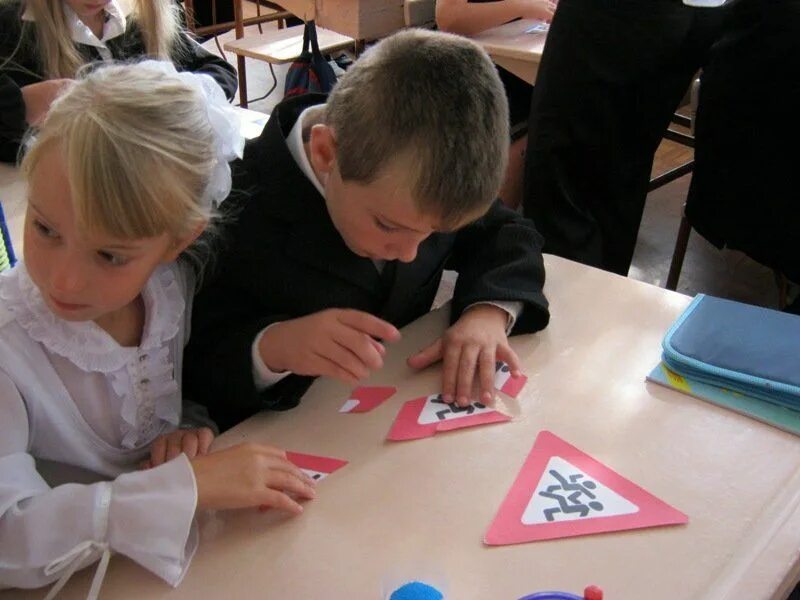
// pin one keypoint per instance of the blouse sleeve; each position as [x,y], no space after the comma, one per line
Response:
[191,56]
[48,533]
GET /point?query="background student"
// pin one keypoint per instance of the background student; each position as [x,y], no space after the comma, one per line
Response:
[122,178]
[44,42]
[613,73]
[355,208]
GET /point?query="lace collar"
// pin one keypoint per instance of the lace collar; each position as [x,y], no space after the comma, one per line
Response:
[84,343]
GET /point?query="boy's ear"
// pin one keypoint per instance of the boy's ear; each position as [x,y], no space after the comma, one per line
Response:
[322,149]
[177,248]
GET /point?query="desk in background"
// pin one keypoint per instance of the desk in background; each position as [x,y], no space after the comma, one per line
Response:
[514,48]
[419,510]
[358,19]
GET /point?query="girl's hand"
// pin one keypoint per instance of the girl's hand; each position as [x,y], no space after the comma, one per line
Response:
[39,96]
[192,442]
[539,9]
[248,475]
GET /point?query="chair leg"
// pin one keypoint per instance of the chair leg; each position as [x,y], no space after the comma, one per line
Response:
[681,242]
[242,81]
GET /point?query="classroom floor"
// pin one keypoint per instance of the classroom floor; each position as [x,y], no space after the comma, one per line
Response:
[724,273]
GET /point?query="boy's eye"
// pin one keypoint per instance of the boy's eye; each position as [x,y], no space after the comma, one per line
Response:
[112,259]
[44,230]
[384,226]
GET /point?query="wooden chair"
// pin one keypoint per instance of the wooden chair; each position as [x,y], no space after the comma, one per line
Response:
[276,47]
[276,13]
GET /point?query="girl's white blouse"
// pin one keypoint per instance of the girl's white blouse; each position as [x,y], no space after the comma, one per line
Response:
[75,406]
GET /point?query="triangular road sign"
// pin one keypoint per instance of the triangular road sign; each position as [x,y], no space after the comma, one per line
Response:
[316,467]
[429,415]
[563,492]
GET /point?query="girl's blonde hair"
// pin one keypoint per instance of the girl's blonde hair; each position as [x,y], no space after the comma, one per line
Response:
[158,23]
[139,150]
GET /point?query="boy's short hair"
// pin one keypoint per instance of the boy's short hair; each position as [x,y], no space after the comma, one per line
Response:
[431,98]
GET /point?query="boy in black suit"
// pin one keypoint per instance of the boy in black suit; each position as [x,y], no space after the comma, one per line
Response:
[351,211]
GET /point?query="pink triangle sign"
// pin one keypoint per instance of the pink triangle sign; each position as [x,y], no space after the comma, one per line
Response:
[426,416]
[563,492]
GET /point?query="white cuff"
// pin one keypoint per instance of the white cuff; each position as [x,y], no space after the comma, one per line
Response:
[263,376]
[151,518]
[513,308]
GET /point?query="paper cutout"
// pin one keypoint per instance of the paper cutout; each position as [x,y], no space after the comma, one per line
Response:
[504,382]
[426,416]
[540,27]
[563,492]
[365,398]
[316,467]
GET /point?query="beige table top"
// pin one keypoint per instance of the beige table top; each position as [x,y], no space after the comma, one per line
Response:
[420,509]
[511,47]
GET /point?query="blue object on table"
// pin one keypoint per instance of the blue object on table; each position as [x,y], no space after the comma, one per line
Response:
[748,349]
[7,258]
[416,590]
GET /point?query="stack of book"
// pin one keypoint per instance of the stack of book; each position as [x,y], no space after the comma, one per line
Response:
[742,357]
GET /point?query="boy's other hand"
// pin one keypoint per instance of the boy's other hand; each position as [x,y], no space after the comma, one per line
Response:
[192,442]
[338,343]
[249,475]
[469,347]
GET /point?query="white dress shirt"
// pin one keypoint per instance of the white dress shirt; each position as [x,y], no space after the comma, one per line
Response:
[116,13]
[71,396]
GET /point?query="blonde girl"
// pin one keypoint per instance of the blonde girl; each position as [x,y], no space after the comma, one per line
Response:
[44,42]
[122,179]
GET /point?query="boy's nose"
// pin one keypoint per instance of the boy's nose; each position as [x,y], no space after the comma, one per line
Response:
[407,252]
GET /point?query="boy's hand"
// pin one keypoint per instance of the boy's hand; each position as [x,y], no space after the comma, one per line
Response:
[338,343]
[472,344]
[192,442]
[248,475]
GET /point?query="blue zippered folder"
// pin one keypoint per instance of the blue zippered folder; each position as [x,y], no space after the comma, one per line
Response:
[750,349]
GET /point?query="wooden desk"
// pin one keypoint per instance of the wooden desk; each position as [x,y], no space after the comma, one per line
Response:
[513,49]
[359,19]
[420,509]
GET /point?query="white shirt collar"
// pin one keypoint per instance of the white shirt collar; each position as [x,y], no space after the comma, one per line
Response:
[116,12]
[296,148]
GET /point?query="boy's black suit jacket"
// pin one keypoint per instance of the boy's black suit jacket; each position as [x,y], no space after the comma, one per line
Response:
[282,258]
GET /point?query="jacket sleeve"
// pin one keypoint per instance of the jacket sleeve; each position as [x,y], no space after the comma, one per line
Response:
[17,69]
[218,367]
[499,258]
[191,56]
[46,533]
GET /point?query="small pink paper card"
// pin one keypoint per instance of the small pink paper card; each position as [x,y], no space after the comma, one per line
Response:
[504,381]
[316,467]
[563,492]
[365,398]
[426,416]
